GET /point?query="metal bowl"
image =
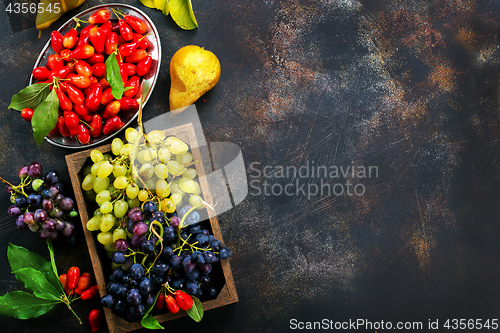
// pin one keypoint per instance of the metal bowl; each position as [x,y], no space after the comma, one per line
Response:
[148,80]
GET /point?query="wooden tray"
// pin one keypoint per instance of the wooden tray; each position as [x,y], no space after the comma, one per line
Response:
[76,163]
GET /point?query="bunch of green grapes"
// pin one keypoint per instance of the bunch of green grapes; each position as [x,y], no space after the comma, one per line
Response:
[152,167]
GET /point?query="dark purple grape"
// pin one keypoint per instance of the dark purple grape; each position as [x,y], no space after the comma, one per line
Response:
[134,297]
[188,265]
[149,207]
[108,301]
[44,233]
[14,211]
[195,230]
[147,246]
[34,200]
[192,287]
[145,286]
[29,218]
[121,245]
[137,240]
[130,226]
[118,257]
[178,283]
[51,177]
[40,215]
[167,253]
[20,223]
[21,202]
[175,262]
[210,257]
[47,193]
[8,189]
[23,172]
[202,239]
[48,204]
[205,278]
[205,268]
[160,268]
[135,214]
[122,291]
[175,221]
[69,229]
[136,271]
[49,225]
[59,224]
[56,188]
[158,216]
[140,229]
[58,198]
[34,170]
[118,274]
[211,292]
[137,311]
[67,204]
[224,253]
[120,306]
[197,257]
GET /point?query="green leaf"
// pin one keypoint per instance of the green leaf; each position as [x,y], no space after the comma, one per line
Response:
[45,117]
[19,257]
[53,267]
[30,97]
[149,321]
[114,77]
[36,282]
[196,311]
[21,305]
[182,13]
[148,3]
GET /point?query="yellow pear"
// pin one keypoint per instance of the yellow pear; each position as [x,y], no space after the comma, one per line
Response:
[193,72]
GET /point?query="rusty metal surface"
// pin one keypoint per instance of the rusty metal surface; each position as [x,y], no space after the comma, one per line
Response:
[409,88]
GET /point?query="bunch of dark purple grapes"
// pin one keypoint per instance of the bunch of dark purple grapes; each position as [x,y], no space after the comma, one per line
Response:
[182,260]
[39,205]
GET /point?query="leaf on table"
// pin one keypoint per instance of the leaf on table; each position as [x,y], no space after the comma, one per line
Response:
[36,282]
[182,13]
[19,257]
[149,321]
[196,311]
[53,268]
[30,97]
[45,117]
[21,305]
[148,3]
[114,77]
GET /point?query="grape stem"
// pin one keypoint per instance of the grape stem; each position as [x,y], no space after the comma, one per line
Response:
[14,188]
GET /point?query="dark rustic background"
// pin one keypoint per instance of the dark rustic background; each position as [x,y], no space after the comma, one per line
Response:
[411,87]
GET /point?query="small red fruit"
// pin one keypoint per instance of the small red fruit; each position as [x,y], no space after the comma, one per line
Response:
[27,114]
[95,320]
[184,301]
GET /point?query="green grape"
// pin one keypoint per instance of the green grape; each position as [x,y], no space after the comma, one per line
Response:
[155,136]
[164,155]
[107,222]
[125,150]
[110,249]
[190,173]
[162,188]
[102,197]
[150,183]
[143,195]
[176,198]
[94,223]
[105,238]
[184,158]
[88,182]
[178,147]
[133,202]
[120,208]
[140,156]
[131,134]
[132,191]
[107,157]
[146,171]
[116,146]
[89,195]
[119,170]
[187,185]
[149,155]
[174,187]
[167,205]
[86,170]
[105,169]
[111,188]
[195,200]
[197,188]
[106,207]
[95,166]
[161,171]
[120,182]
[97,212]
[100,184]
[96,156]
[119,233]
[175,168]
